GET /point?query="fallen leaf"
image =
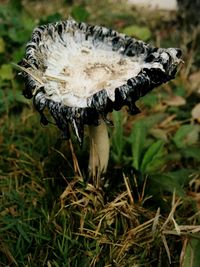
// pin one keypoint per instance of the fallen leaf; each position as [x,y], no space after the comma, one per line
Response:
[159,134]
[194,80]
[175,101]
[196,112]
[168,121]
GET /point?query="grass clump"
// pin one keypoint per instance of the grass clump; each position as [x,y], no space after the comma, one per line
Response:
[148,212]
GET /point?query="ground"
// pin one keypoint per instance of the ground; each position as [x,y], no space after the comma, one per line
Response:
[147,214]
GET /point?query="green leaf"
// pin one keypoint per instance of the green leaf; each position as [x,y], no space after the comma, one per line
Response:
[27,22]
[165,183]
[191,152]
[2,45]
[182,176]
[6,72]
[151,120]
[150,100]
[137,31]
[180,90]
[186,135]
[80,13]
[51,18]
[137,138]
[20,35]
[168,182]
[18,53]
[192,255]
[154,157]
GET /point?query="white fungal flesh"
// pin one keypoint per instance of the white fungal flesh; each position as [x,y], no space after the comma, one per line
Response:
[76,69]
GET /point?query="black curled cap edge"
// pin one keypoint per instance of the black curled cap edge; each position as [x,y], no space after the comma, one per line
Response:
[99,105]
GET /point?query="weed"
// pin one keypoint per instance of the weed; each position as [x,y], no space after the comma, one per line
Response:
[148,213]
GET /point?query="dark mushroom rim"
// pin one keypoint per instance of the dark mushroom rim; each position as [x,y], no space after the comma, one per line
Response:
[100,104]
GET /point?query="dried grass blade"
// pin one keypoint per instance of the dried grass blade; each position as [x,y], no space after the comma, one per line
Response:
[75,161]
[127,184]
[29,73]
[166,247]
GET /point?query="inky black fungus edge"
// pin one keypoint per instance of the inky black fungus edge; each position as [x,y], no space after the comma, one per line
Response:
[100,104]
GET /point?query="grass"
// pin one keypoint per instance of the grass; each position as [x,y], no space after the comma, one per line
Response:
[50,213]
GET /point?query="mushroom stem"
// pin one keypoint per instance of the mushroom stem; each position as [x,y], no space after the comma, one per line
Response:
[99,149]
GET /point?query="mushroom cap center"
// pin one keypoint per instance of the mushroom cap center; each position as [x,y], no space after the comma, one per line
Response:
[76,72]
[73,66]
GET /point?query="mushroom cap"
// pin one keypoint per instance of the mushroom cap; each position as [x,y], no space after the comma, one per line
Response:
[80,72]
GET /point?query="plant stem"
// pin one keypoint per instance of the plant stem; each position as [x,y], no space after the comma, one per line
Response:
[99,149]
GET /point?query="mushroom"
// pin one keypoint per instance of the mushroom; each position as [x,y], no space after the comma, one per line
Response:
[80,73]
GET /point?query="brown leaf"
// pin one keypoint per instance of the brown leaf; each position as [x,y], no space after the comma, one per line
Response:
[196,112]
[159,134]
[175,101]
[195,80]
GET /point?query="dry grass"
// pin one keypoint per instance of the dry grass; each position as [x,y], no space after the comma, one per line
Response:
[51,214]
[122,226]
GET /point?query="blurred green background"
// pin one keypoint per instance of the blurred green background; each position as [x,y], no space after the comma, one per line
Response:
[148,215]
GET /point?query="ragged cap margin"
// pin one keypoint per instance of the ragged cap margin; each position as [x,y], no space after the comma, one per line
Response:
[161,66]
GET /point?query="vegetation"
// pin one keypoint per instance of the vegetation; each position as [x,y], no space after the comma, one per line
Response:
[148,213]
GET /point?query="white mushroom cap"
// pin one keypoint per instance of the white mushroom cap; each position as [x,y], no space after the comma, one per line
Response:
[81,72]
